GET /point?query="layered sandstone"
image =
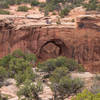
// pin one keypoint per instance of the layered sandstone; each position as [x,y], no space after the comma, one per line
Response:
[81,43]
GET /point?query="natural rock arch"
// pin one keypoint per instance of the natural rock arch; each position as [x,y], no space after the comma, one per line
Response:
[52,49]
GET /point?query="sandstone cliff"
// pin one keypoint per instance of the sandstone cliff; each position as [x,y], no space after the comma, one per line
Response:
[81,43]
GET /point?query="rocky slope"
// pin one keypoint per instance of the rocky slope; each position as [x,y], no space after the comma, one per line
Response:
[46,41]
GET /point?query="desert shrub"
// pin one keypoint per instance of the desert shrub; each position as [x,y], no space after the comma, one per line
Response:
[18,54]
[87,95]
[73,20]
[19,66]
[42,5]
[21,69]
[30,90]
[3,76]
[35,3]
[98,7]
[5,61]
[71,64]
[65,86]
[64,12]
[97,77]
[11,2]
[4,12]
[31,58]
[3,73]
[54,13]
[92,5]
[3,5]
[62,84]
[58,73]
[46,13]
[23,8]
[51,64]
[58,21]
[95,88]
[22,77]
[48,65]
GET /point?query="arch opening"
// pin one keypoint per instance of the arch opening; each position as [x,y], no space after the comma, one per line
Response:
[52,49]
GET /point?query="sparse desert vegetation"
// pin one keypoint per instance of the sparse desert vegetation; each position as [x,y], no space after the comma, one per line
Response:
[62,7]
[19,66]
[63,74]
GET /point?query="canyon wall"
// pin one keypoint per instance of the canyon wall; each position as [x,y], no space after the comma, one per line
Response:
[81,43]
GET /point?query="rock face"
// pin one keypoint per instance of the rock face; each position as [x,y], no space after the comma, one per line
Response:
[81,43]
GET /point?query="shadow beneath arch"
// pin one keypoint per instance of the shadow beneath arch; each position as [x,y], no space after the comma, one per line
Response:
[52,49]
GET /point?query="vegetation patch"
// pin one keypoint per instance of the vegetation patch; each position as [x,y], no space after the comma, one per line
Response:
[4,12]
[23,8]
[87,95]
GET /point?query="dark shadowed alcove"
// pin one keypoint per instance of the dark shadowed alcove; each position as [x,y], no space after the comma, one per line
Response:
[52,49]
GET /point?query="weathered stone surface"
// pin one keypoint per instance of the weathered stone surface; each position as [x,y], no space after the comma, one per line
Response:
[81,43]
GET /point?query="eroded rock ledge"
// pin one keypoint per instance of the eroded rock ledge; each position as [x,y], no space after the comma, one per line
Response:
[81,43]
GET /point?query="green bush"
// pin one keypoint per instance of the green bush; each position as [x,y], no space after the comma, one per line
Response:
[18,54]
[5,61]
[92,5]
[46,13]
[65,86]
[98,7]
[42,5]
[11,2]
[62,84]
[23,8]
[95,88]
[58,21]
[30,90]
[48,65]
[3,73]
[87,95]
[3,5]
[51,64]
[19,66]
[35,3]
[64,12]
[31,58]
[58,73]
[4,12]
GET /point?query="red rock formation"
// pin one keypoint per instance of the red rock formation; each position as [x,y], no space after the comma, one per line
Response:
[82,43]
